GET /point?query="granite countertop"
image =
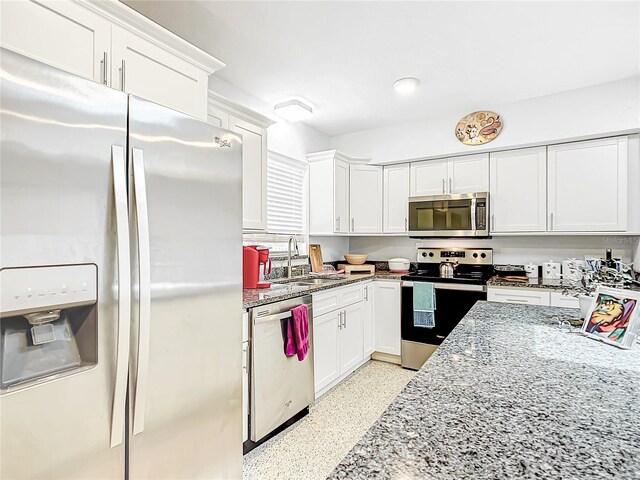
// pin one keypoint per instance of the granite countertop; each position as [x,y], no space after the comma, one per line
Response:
[282,289]
[543,283]
[509,395]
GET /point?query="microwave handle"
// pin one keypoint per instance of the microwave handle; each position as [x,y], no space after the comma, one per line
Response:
[474,214]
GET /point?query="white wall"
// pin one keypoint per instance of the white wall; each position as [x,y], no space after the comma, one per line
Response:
[333,248]
[518,250]
[598,111]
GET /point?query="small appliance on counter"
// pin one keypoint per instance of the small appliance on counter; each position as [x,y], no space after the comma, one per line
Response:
[399,265]
[517,271]
[551,270]
[571,269]
[254,257]
[531,270]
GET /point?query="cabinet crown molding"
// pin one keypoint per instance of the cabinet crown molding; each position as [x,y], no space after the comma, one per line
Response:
[219,101]
[129,19]
[334,155]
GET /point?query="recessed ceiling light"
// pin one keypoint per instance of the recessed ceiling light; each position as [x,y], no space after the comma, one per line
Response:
[405,86]
[294,109]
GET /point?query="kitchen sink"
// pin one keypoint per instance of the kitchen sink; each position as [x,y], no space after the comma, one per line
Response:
[310,282]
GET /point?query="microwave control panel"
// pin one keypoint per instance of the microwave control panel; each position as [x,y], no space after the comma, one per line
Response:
[481,214]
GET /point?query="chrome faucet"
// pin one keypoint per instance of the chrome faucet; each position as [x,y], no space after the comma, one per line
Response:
[292,238]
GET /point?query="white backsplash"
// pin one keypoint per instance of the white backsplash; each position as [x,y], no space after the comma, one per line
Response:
[518,250]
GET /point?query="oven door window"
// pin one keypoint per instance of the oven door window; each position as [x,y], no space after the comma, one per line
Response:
[441,215]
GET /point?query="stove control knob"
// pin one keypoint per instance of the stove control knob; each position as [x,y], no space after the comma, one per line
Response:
[475,255]
[483,255]
[431,254]
[424,254]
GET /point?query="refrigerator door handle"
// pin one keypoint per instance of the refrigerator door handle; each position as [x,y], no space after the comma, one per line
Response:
[144,274]
[124,294]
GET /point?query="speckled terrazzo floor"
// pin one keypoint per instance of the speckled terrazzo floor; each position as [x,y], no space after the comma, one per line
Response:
[313,447]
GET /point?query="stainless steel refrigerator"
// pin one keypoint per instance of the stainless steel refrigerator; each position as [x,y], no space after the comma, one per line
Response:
[120,284]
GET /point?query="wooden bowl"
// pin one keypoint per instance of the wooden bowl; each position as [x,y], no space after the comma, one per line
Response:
[356,258]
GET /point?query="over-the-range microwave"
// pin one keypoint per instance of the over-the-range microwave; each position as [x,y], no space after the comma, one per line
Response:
[459,215]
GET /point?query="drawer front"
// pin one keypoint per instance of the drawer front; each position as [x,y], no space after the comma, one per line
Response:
[335,298]
[567,301]
[512,295]
[350,295]
[325,302]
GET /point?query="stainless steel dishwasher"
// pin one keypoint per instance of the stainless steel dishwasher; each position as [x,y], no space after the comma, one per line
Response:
[281,387]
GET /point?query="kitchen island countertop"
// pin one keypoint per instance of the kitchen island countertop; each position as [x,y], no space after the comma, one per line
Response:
[510,395]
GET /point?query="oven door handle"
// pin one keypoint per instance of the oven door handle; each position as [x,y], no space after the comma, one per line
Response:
[452,286]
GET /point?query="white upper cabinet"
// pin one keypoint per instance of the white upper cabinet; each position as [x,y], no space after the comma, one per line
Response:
[587,186]
[466,174]
[254,173]
[341,196]
[149,71]
[395,206]
[469,174]
[252,126]
[330,193]
[429,178]
[62,34]
[518,192]
[365,198]
[112,44]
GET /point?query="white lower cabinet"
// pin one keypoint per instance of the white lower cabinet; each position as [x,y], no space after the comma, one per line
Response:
[325,349]
[367,303]
[558,299]
[351,337]
[245,391]
[386,316]
[340,332]
[531,296]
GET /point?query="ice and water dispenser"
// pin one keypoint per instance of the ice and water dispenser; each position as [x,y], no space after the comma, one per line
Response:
[48,323]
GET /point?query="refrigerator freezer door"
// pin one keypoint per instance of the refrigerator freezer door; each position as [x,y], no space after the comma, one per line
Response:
[188,423]
[57,208]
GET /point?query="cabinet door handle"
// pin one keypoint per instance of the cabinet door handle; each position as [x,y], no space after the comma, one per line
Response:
[353,224]
[103,68]
[450,185]
[366,293]
[551,221]
[345,319]
[122,75]
[405,224]
[493,222]
[443,186]
[337,224]
[339,320]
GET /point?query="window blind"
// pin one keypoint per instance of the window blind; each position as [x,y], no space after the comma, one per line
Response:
[286,206]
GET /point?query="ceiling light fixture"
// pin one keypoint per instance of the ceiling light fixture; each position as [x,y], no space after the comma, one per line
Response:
[294,109]
[405,86]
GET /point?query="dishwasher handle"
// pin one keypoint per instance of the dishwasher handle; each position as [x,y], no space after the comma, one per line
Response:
[266,317]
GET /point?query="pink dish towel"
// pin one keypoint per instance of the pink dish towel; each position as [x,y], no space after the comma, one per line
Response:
[289,345]
[300,316]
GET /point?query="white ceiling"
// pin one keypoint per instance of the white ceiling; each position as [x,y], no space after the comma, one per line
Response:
[344,56]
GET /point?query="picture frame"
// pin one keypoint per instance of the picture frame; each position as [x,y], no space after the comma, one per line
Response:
[614,317]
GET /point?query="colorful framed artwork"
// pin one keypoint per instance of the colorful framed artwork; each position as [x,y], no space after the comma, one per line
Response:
[478,128]
[614,317]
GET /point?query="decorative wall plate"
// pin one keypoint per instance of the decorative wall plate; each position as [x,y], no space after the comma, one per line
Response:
[478,128]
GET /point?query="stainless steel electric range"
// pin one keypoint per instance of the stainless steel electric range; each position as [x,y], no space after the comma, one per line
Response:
[460,279]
